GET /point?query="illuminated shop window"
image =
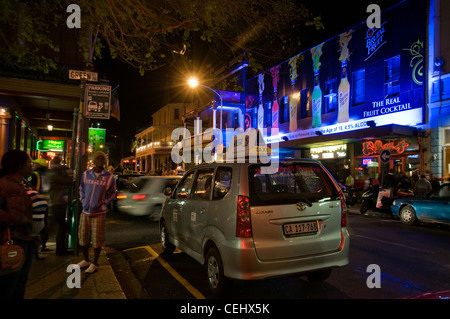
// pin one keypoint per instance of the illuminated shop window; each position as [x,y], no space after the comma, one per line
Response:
[392,76]
[359,87]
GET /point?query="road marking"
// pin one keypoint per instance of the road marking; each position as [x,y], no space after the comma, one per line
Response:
[395,244]
[197,294]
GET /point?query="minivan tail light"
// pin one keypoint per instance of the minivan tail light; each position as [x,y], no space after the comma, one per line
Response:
[138,197]
[243,220]
[343,209]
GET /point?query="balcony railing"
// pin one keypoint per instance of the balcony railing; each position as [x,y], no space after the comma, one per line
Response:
[154,145]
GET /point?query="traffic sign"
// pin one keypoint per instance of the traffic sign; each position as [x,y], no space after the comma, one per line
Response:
[97,101]
[385,156]
[87,75]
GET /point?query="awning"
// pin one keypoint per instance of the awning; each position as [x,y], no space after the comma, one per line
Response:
[385,131]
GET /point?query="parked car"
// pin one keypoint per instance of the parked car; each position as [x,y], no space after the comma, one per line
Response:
[244,222]
[433,208]
[144,195]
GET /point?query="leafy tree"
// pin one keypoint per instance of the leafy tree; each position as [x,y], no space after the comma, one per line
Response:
[149,34]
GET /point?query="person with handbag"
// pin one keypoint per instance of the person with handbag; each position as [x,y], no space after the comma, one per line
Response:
[16,217]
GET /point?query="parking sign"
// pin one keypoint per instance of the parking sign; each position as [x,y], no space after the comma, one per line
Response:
[97,101]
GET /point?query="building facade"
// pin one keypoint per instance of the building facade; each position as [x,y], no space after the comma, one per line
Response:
[438,98]
[349,98]
[154,144]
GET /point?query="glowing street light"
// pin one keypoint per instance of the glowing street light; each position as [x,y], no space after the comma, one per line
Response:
[193,82]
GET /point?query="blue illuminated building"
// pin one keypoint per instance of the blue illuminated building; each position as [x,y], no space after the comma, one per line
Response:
[362,91]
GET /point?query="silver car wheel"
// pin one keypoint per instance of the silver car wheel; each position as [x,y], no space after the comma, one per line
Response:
[213,272]
[408,215]
[167,246]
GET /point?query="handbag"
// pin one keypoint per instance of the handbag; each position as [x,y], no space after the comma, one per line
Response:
[11,256]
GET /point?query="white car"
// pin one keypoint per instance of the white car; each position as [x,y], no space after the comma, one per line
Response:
[144,196]
[242,222]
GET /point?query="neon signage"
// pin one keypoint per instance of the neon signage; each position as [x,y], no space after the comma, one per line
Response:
[376,147]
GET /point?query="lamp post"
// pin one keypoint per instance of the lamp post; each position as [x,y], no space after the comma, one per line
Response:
[193,82]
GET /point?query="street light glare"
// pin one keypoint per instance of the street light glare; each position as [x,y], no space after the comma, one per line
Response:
[193,82]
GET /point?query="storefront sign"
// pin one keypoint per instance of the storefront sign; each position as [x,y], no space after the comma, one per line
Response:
[50,145]
[387,106]
[329,152]
[374,40]
[358,77]
[376,147]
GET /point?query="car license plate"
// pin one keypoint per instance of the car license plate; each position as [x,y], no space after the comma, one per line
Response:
[299,229]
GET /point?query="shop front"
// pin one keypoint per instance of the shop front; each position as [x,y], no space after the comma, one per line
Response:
[405,157]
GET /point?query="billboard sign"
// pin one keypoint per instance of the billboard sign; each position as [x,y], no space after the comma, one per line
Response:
[358,79]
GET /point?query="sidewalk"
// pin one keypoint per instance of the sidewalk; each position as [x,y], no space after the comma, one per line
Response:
[48,279]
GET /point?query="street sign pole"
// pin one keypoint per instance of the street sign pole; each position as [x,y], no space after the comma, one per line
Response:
[385,158]
[81,135]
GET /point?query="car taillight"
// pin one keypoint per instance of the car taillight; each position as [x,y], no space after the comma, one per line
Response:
[121,196]
[138,197]
[343,210]
[243,220]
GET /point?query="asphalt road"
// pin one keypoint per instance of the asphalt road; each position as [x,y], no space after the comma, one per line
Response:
[409,260]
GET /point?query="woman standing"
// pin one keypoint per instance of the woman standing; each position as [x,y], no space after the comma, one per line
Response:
[17,214]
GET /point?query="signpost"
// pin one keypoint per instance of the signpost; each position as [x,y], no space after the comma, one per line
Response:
[83,75]
[385,158]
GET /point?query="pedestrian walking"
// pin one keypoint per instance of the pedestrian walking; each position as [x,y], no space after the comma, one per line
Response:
[97,190]
[422,187]
[38,181]
[59,179]
[16,213]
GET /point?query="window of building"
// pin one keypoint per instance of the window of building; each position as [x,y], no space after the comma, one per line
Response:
[176,114]
[359,87]
[304,104]
[392,76]
[330,97]
[284,109]
[267,114]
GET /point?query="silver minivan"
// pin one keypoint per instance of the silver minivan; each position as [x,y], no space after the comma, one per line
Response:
[242,223]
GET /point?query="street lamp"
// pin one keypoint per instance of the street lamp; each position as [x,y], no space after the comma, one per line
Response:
[193,82]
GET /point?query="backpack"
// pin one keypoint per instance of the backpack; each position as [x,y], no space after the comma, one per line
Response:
[42,185]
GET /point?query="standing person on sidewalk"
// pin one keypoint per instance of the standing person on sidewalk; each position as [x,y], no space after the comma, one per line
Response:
[16,212]
[97,190]
[59,179]
[422,187]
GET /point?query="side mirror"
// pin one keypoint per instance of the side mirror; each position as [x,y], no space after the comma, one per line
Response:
[168,191]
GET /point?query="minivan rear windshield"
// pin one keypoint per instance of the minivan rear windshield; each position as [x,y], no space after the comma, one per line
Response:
[290,184]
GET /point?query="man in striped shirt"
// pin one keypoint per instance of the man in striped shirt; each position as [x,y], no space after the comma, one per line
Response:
[97,190]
